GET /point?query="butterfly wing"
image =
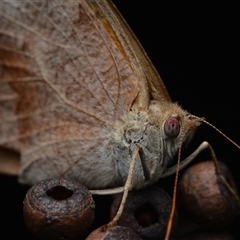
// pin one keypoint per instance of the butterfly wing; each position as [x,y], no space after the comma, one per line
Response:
[69,73]
[152,86]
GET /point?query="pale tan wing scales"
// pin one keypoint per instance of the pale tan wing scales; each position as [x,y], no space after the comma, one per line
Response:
[152,86]
[63,86]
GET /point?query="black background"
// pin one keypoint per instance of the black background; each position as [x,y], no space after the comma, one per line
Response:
[196,51]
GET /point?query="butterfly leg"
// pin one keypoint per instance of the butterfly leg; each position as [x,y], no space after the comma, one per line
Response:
[127,188]
[172,170]
[221,179]
[205,145]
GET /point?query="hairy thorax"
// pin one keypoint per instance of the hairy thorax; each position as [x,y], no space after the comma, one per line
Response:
[144,129]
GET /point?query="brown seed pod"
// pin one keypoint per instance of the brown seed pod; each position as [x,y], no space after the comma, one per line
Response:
[207,198]
[146,212]
[58,209]
[114,233]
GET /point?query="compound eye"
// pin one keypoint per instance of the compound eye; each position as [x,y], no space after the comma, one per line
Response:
[172,127]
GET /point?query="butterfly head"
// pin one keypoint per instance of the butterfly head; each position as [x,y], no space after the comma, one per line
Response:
[176,125]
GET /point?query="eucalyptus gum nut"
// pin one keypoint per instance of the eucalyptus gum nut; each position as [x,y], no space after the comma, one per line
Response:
[58,209]
[205,198]
[114,233]
[146,211]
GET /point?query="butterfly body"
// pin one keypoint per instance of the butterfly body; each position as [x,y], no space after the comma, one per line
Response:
[78,94]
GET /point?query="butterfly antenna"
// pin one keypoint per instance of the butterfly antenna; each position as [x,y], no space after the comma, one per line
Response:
[224,135]
[173,206]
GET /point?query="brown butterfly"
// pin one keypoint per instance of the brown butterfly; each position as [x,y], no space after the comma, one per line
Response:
[79,98]
[78,94]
